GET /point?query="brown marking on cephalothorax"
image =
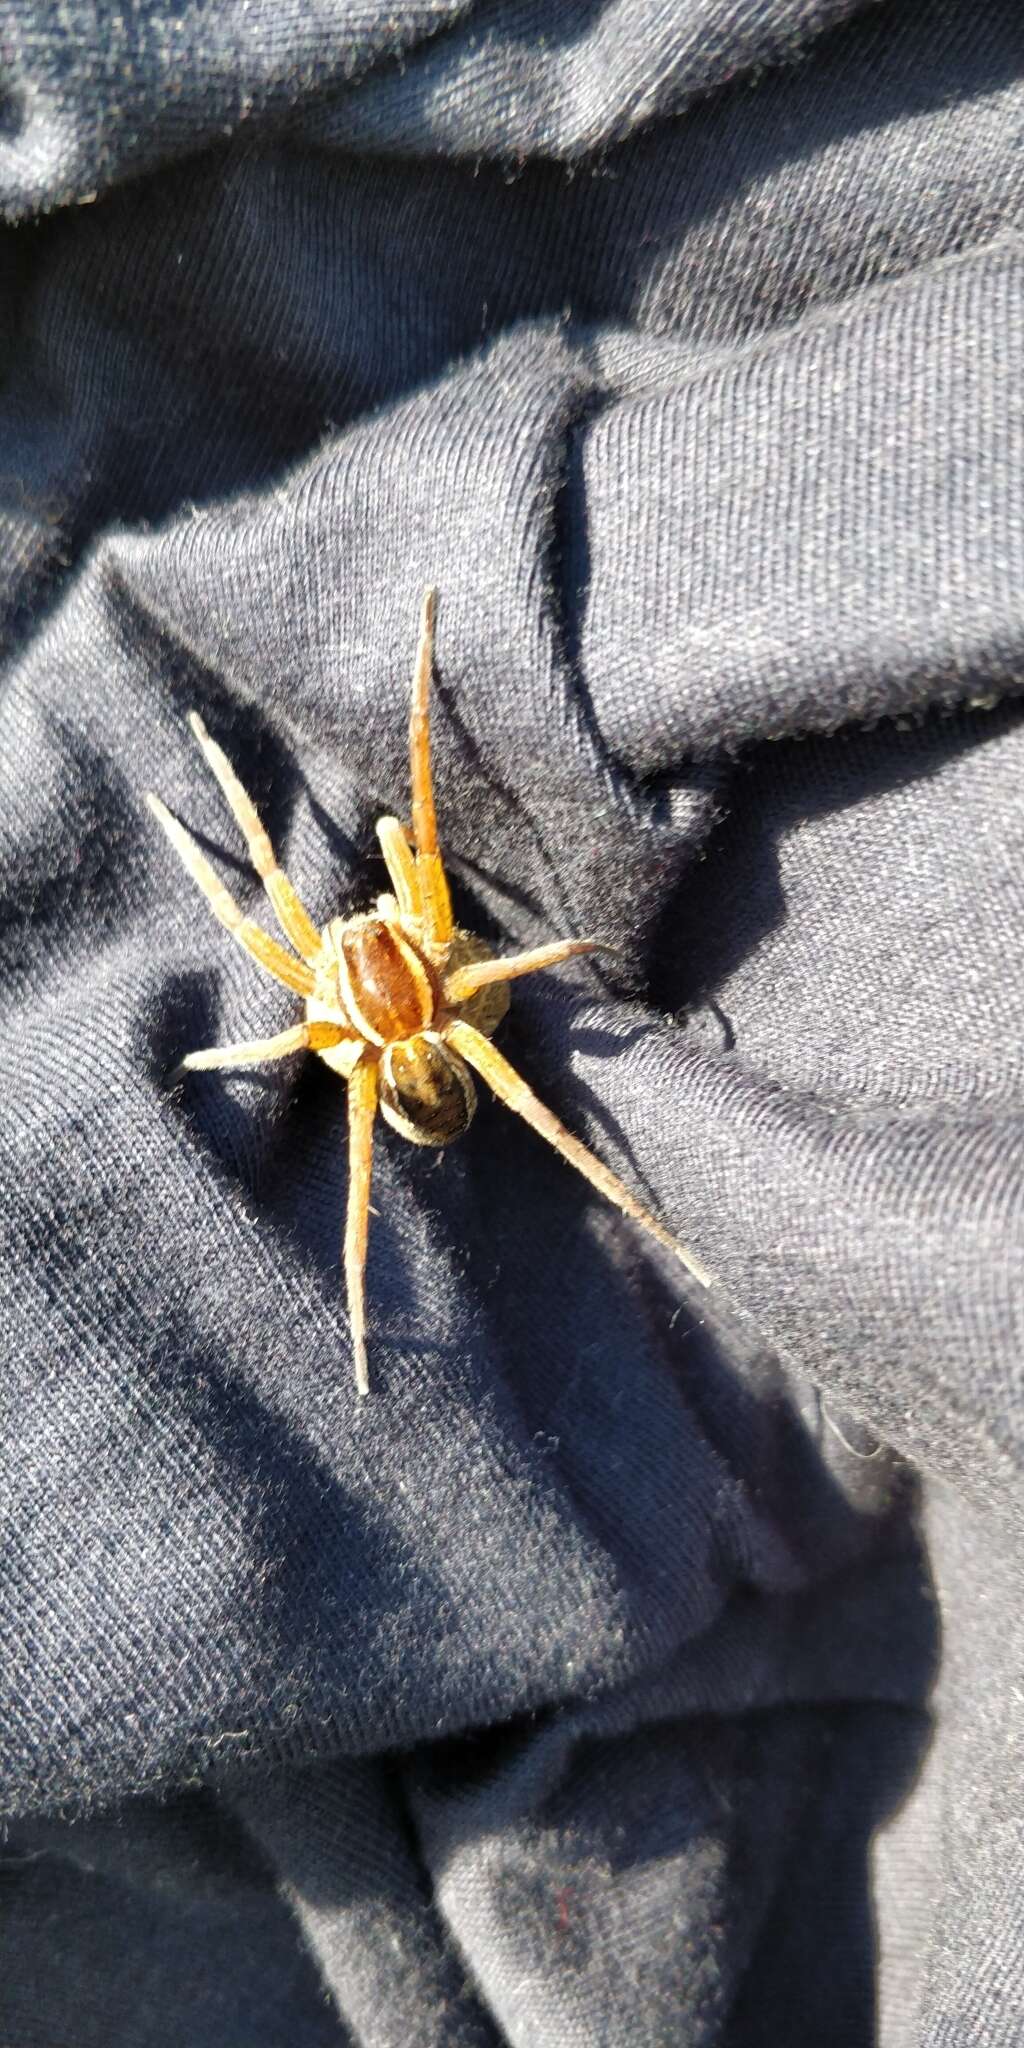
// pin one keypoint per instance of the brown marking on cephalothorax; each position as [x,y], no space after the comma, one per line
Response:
[426,1091]
[387,989]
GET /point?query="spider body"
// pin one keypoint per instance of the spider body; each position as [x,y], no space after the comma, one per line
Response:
[376,979]
[398,1000]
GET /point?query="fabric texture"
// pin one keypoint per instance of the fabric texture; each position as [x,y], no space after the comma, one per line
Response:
[637,1665]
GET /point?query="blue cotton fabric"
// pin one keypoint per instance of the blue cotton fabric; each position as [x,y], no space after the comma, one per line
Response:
[638,1665]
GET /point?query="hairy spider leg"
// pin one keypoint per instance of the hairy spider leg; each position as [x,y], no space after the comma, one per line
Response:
[433,882]
[362,1108]
[307,1037]
[293,919]
[295,974]
[400,861]
[511,1089]
[465,981]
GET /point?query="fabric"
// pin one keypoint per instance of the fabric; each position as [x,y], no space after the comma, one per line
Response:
[636,1665]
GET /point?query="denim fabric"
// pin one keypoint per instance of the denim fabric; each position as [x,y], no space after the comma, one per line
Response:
[637,1666]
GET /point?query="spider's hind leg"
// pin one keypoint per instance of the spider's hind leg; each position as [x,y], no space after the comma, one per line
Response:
[511,1089]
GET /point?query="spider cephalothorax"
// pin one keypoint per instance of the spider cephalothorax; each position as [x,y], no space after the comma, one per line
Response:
[398,1001]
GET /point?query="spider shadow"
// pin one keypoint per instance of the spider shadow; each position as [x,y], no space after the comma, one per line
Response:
[544,1059]
[241,1114]
[265,764]
[470,877]
[358,862]
[185,1017]
[486,883]
[270,772]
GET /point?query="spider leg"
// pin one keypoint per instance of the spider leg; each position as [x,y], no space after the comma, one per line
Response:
[400,861]
[298,1038]
[292,918]
[509,1086]
[362,1107]
[433,882]
[294,973]
[465,981]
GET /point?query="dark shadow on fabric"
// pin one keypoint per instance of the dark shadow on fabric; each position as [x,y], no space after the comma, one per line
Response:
[542,1053]
[359,867]
[188,1845]
[732,899]
[760,1815]
[570,555]
[244,1116]
[483,774]
[185,1018]
[373,1862]
[742,1401]
[72,1922]
[469,872]
[791,1794]
[856,1767]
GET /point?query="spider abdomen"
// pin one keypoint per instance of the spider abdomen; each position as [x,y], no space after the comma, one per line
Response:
[426,1091]
[387,988]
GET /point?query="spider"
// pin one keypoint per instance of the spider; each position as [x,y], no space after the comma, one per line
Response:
[398,1000]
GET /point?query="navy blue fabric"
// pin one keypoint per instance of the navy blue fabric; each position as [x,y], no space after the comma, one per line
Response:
[638,1665]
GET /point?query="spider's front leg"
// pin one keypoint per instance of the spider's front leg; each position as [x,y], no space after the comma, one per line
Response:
[292,917]
[400,861]
[465,982]
[431,880]
[273,958]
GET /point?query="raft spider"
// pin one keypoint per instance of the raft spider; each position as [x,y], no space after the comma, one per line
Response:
[398,1000]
